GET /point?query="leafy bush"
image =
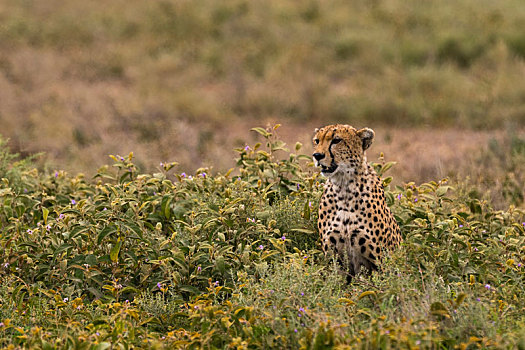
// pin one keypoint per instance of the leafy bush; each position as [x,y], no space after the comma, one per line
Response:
[231,261]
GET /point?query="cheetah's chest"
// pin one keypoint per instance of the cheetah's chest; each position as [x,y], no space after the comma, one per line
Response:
[355,221]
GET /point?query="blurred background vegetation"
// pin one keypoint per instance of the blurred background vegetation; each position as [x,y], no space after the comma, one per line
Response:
[442,82]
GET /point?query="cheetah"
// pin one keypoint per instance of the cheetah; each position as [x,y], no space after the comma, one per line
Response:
[354,221]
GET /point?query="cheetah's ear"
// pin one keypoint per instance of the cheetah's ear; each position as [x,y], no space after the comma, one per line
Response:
[366,135]
[316,130]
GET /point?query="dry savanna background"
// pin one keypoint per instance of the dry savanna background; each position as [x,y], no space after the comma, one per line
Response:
[140,252]
[442,83]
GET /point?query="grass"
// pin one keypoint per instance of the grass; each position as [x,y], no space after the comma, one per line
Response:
[211,260]
[83,80]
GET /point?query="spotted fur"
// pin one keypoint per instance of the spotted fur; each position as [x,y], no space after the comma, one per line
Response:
[354,221]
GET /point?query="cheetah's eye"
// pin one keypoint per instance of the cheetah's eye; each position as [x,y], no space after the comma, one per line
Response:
[334,141]
[316,141]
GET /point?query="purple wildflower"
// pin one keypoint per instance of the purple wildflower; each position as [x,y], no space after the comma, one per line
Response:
[48,227]
[415,201]
[302,294]
[478,299]
[97,334]
[298,187]
[460,225]
[475,249]
[310,204]
[203,175]
[301,310]
[487,286]
[73,202]
[105,209]
[56,173]
[29,231]
[199,269]
[159,285]
[399,196]
[283,238]
[61,216]
[261,247]
[247,148]
[216,284]
[519,264]
[183,175]
[66,300]
[295,330]
[122,158]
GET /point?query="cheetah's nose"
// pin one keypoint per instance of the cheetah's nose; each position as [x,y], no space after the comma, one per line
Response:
[318,156]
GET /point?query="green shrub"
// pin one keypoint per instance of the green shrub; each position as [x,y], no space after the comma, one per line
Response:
[460,50]
[231,261]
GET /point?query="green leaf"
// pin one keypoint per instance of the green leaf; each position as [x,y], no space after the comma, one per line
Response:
[261,131]
[113,254]
[302,230]
[459,300]
[165,206]
[386,167]
[442,190]
[77,230]
[367,293]
[134,228]
[189,289]
[306,210]
[91,259]
[45,213]
[47,346]
[106,231]
[475,206]
[103,346]
[62,248]
[438,309]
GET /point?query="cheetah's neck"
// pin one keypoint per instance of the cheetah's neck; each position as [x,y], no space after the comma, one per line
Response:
[347,178]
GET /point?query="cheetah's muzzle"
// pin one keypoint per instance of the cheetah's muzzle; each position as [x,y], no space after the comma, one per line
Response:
[328,170]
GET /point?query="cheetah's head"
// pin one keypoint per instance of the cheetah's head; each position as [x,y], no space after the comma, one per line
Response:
[340,148]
